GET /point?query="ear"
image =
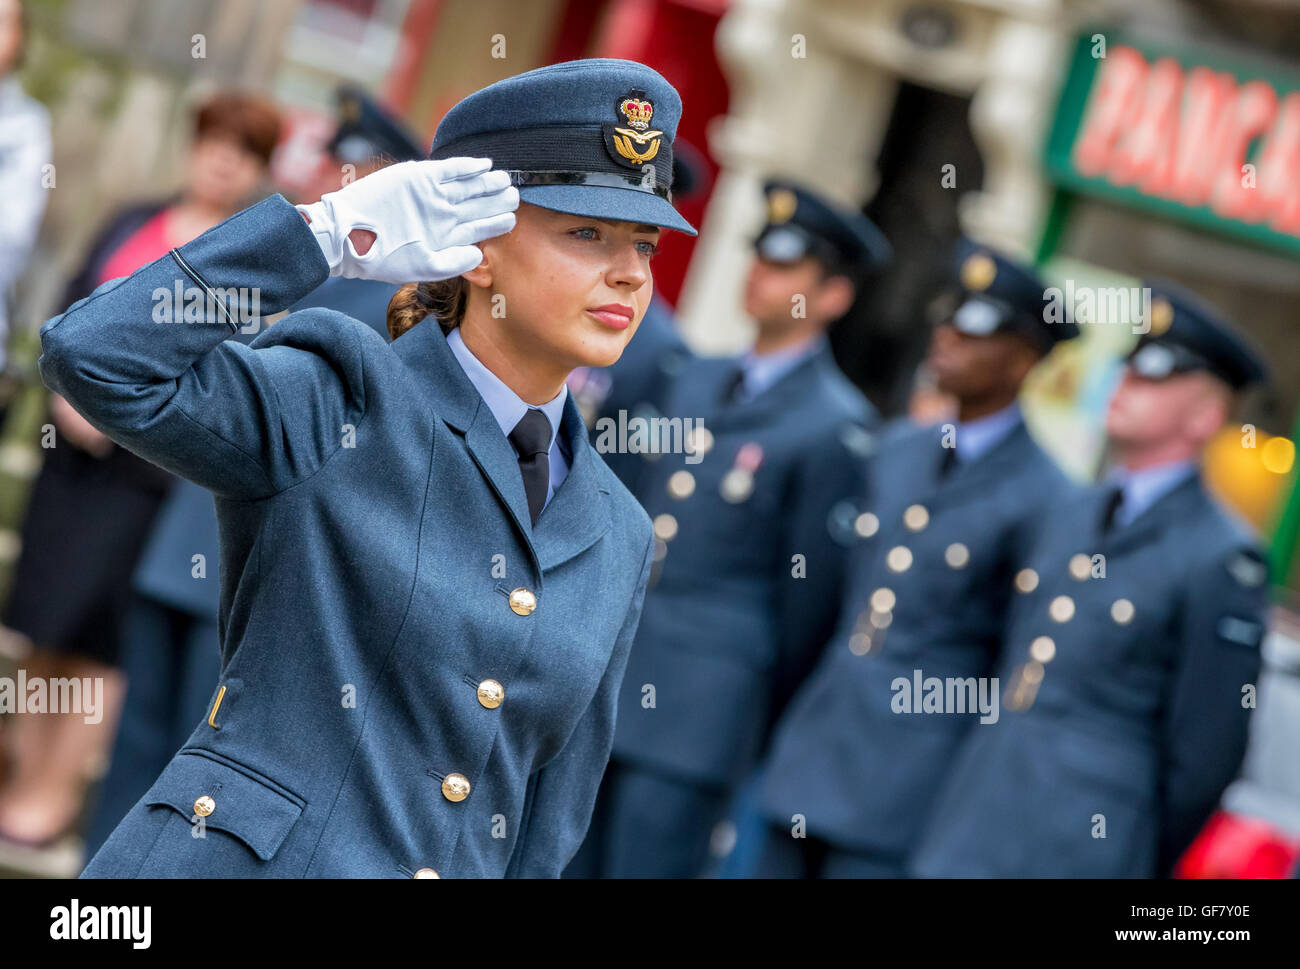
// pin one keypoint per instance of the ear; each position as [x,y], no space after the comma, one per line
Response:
[835,297]
[481,275]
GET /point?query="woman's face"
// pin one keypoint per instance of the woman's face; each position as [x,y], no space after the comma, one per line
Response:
[222,173]
[572,289]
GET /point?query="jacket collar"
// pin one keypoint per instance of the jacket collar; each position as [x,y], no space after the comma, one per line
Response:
[578,513]
[973,477]
[762,371]
[506,406]
[1178,504]
[781,395]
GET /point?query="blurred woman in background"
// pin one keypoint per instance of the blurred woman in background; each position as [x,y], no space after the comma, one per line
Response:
[92,505]
[24,152]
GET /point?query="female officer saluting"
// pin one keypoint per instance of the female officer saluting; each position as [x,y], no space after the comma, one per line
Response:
[423,626]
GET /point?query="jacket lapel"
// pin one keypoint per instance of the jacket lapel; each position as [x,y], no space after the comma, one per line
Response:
[499,464]
[970,479]
[777,398]
[1170,508]
[453,397]
[578,513]
[700,391]
[576,516]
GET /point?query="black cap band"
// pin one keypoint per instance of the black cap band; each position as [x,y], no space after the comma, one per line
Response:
[1158,359]
[635,183]
[788,242]
[981,314]
[566,152]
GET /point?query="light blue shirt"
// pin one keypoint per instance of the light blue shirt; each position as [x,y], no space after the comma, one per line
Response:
[975,438]
[762,370]
[1144,488]
[509,408]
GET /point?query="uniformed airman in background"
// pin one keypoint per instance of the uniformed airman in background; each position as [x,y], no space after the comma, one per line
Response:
[752,526]
[1132,648]
[851,771]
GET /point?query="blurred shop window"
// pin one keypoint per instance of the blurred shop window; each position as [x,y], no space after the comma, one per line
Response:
[357,39]
[340,14]
[239,38]
[142,26]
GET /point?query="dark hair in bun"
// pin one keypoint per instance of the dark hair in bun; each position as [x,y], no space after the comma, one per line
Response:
[445,300]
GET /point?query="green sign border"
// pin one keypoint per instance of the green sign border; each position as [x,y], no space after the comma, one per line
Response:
[1057,155]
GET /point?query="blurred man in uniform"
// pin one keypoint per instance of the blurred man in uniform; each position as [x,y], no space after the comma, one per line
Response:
[852,770]
[1132,646]
[752,525]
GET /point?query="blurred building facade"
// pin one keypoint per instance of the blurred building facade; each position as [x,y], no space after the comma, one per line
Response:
[120,80]
[935,118]
[931,115]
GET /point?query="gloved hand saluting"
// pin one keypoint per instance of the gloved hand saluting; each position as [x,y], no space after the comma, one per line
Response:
[426,217]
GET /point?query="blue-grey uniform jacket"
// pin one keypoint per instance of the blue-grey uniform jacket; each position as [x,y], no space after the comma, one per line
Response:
[928,591]
[414,679]
[1127,672]
[186,525]
[752,541]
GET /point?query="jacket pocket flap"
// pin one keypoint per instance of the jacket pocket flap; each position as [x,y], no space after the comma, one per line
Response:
[238,801]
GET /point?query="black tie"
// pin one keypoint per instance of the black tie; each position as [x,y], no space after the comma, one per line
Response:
[532,440]
[733,385]
[1113,501]
[948,460]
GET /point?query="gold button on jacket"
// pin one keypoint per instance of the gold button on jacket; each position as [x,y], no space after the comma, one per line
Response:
[665,526]
[916,517]
[427,873]
[455,787]
[491,693]
[899,558]
[681,485]
[204,806]
[522,602]
[1061,609]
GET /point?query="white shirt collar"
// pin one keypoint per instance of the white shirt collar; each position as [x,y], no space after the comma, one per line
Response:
[507,407]
[975,438]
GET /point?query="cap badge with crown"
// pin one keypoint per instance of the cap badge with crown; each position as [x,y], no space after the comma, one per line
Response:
[638,143]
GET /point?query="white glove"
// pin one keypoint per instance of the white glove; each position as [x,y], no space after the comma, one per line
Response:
[426,217]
